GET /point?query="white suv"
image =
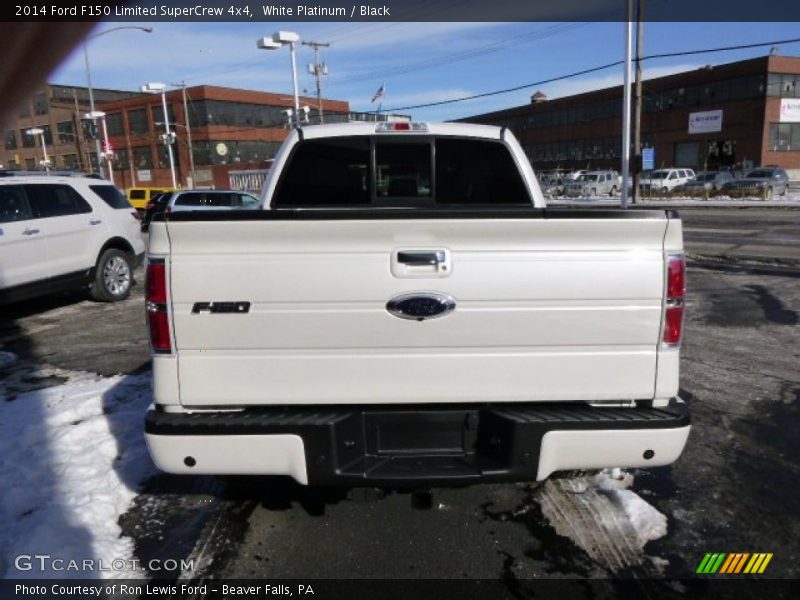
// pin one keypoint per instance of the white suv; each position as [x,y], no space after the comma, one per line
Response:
[665,180]
[60,232]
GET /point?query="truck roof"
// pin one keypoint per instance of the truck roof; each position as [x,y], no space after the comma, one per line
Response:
[361,128]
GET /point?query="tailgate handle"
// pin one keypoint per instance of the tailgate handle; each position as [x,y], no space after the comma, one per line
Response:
[421,258]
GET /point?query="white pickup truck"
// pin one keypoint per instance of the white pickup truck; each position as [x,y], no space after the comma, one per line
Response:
[405,311]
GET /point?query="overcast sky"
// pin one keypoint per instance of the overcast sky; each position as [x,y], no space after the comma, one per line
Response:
[420,62]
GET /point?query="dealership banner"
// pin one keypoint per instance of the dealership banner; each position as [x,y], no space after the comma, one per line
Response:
[708,121]
[790,110]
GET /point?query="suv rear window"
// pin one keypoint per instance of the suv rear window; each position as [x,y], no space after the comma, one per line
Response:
[56,200]
[111,196]
[14,206]
[339,172]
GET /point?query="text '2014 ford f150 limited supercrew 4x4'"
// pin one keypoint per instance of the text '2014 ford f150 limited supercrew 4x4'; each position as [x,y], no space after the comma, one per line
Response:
[406,311]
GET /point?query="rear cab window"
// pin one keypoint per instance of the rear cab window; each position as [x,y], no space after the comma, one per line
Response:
[111,196]
[397,171]
[206,199]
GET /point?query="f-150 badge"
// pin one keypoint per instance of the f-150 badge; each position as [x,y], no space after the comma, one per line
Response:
[419,306]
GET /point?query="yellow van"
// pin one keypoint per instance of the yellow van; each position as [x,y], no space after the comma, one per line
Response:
[140,197]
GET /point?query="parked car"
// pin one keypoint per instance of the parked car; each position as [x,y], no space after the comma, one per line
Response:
[210,200]
[140,197]
[58,233]
[574,175]
[455,336]
[764,182]
[594,183]
[552,185]
[706,181]
[664,180]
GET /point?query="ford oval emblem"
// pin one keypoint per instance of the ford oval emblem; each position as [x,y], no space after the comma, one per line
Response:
[420,306]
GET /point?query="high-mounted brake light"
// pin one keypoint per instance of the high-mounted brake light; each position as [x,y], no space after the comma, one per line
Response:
[675,301]
[156,303]
[387,126]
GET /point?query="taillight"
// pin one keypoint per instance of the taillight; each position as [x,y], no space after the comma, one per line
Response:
[156,298]
[676,297]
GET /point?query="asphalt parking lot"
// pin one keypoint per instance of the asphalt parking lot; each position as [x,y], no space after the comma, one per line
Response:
[734,489]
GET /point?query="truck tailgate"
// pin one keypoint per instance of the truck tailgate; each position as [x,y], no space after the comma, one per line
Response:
[546,309]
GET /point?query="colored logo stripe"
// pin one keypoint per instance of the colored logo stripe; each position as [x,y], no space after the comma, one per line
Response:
[730,563]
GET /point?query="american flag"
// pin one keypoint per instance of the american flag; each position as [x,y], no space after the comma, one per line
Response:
[380,93]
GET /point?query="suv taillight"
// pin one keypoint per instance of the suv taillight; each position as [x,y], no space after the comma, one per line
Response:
[156,299]
[676,296]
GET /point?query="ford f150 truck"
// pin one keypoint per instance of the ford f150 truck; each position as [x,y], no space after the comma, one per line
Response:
[406,311]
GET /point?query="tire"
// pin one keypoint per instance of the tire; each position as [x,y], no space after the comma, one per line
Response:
[613,191]
[664,191]
[113,276]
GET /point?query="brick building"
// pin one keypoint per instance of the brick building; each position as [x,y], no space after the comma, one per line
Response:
[58,110]
[743,113]
[228,127]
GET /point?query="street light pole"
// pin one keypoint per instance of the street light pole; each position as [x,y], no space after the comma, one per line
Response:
[155,88]
[107,152]
[89,81]
[168,139]
[188,131]
[34,131]
[279,39]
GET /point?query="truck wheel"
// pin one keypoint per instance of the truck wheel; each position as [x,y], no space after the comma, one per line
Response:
[113,276]
[613,191]
[664,191]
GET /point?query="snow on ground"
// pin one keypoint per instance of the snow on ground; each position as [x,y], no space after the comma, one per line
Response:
[607,520]
[72,458]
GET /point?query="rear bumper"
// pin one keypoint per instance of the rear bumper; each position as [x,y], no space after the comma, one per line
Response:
[420,445]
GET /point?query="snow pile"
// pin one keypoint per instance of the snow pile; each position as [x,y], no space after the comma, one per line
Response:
[602,516]
[648,523]
[72,458]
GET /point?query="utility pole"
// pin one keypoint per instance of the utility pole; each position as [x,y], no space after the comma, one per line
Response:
[626,107]
[318,69]
[637,114]
[188,130]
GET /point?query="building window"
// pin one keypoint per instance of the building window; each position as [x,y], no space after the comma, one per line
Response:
[28,141]
[157,113]
[30,164]
[783,85]
[70,161]
[66,132]
[40,103]
[11,140]
[163,156]
[143,158]
[114,124]
[137,121]
[122,159]
[784,137]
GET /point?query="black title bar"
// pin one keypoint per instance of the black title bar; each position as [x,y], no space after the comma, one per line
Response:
[400,10]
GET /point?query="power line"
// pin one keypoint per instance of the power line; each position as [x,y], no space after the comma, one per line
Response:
[594,70]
